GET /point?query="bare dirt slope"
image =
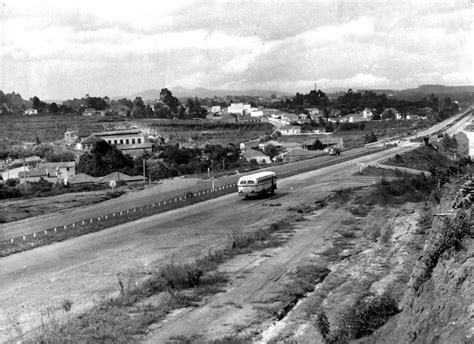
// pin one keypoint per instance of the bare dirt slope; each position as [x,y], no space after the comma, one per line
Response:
[365,253]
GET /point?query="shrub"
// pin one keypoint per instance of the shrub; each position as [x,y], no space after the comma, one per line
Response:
[368,314]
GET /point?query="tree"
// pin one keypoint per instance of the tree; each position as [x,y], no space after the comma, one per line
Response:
[271,151]
[370,137]
[103,159]
[167,98]
[53,108]
[96,103]
[139,109]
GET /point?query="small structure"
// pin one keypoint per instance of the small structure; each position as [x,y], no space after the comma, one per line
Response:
[35,175]
[70,138]
[216,109]
[275,144]
[88,143]
[259,157]
[88,112]
[61,170]
[367,113]
[82,179]
[30,111]
[236,108]
[290,130]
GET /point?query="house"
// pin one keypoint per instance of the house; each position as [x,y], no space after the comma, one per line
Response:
[82,179]
[302,116]
[131,141]
[314,112]
[259,157]
[88,143]
[256,113]
[35,175]
[236,108]
[367,113]
[273,143]
[248,119]
[278,121]
[215,109]
[88,112]
[62,170]
[13,173]
[30,111]
[290,130]
[353,118]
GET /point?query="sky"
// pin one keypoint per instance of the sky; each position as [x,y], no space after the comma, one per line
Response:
[64,49]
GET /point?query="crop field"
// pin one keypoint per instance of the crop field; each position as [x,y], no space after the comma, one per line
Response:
[52,127]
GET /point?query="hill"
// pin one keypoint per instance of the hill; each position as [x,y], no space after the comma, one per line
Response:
[201,92]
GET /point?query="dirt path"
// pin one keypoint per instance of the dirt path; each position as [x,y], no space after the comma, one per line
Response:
[256,281]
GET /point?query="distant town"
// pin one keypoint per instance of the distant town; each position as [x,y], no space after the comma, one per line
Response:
[146,140]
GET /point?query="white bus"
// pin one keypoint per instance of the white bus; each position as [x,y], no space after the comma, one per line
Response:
[260,183]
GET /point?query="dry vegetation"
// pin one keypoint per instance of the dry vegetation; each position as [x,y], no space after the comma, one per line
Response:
[124,318]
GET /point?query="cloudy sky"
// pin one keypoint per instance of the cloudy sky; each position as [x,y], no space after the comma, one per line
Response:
[64,49]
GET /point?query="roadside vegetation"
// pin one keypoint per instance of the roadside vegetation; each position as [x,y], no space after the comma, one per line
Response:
[125,318]
[367,311]
[43,188]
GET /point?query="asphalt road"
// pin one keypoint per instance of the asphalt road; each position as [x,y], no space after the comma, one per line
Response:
[154,193]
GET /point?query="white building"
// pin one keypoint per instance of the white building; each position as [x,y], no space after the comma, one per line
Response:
[367,113]
[256,113]
[31,111]
[290,130]
[215,109]
[236,108]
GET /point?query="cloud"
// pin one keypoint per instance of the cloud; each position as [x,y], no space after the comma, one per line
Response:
[121,47]
[360,80]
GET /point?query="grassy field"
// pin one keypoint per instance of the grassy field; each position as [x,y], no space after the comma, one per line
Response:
[52,127]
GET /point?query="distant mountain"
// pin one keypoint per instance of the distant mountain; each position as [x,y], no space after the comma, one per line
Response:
[426,90]
[201,92]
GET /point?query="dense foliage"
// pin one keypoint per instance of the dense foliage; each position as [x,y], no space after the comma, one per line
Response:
[105,159]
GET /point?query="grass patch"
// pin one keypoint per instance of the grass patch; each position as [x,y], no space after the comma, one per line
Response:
[302,281]
[408,188]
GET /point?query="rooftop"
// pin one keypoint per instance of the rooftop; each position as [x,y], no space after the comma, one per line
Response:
[118,132]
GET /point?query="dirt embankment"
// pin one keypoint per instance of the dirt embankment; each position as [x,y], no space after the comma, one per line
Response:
[438,305]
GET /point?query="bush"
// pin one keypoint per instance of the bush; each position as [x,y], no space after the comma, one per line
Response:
[368,314]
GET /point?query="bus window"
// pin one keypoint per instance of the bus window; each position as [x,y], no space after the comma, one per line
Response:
[243,182]
[250,182]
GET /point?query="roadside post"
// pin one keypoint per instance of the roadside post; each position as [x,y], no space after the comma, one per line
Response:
[113,184]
